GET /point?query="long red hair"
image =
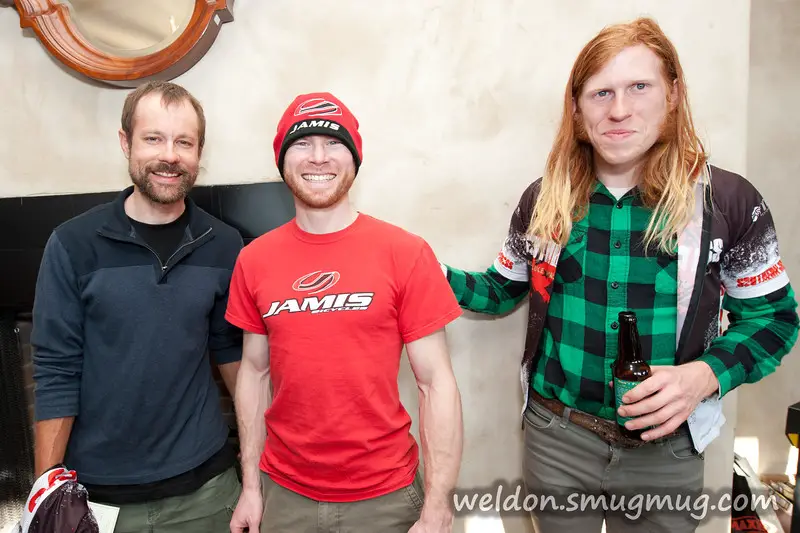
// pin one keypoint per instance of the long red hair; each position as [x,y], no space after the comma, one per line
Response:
[673,163]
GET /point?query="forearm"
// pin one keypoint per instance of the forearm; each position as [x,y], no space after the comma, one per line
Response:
[761,332]
[252,399]
[486,292]
[57,379]
[51,438]
[441,435]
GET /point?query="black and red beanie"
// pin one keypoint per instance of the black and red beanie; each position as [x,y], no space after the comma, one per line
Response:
[317,114]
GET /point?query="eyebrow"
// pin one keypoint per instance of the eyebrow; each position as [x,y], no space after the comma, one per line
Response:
[161,134]
[633,81]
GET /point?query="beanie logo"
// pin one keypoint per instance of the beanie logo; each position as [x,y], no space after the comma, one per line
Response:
[317,107]
[314,124]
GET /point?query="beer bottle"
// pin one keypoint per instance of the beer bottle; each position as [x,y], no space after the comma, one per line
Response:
[630,368]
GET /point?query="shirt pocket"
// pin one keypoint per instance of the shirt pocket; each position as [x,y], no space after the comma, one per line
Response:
[573,257]
[665,283]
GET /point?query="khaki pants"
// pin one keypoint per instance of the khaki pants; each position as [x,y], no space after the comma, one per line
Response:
[286,511]
[568,465]
[207,510]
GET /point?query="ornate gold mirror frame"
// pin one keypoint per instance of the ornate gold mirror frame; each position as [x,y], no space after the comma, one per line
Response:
[78,35]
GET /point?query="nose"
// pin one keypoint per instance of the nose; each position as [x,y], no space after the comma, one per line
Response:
[620,108]
[169,155]
[318,153]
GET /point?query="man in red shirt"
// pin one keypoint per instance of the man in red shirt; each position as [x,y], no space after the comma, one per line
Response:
[327,302]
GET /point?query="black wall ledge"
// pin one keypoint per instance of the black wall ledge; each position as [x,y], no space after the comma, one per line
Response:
[26,224]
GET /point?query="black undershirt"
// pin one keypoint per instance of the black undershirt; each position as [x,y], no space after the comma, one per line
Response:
[164,239]
[179,485]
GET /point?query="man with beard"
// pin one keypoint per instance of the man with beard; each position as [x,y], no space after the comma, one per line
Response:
[327,302]
[130,302]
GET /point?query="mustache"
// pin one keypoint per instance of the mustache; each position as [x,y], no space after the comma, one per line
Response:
[169,168]
[318,171]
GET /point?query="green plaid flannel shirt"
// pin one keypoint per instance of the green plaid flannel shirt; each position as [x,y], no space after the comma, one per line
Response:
[604,269]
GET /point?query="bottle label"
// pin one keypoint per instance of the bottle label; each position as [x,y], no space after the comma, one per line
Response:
[621,387]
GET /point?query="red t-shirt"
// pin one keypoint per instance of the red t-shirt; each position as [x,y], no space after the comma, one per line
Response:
[337,309]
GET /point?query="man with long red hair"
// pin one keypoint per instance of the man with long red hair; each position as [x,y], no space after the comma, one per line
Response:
[630,215]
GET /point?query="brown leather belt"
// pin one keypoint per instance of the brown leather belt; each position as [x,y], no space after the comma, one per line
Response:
[608,430]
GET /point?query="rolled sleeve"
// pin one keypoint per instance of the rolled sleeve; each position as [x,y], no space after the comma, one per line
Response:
[57,335]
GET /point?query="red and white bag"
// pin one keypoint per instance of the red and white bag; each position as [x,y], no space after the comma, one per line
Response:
[57,503]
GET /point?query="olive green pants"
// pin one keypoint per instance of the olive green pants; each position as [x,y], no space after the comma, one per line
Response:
[286,511]
[207,510]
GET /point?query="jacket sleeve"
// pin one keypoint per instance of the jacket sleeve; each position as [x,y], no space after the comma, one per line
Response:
[760,301]
[57,335]
[225,340]
[503,285]
[486,292]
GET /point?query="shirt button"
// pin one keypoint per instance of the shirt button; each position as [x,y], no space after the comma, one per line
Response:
[617,244]
[619,205]
[615,285]
[614,325]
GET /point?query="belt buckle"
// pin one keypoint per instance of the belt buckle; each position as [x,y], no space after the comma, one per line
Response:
[609,432]
[636,443]
[627,442]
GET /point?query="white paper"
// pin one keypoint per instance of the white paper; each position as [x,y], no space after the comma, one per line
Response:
[705,422]
[106,516]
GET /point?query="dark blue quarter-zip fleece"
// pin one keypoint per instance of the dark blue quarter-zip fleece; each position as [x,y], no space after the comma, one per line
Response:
[121,342]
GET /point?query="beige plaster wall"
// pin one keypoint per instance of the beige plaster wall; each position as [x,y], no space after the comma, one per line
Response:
[458,100]
[774,166]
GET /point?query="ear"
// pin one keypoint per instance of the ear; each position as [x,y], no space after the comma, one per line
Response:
[673,95]
[574,106]
[124,144]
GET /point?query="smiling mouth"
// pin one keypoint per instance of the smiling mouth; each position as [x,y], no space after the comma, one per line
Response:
[170,175]
[318,178]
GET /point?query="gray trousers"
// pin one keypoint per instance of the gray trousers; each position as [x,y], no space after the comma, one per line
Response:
[286,511]
[568,465]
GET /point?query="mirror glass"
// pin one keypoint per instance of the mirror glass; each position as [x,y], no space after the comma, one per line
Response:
[130,28]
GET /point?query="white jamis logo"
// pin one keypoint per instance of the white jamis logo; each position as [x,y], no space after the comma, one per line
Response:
[314,124]
[314,283]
